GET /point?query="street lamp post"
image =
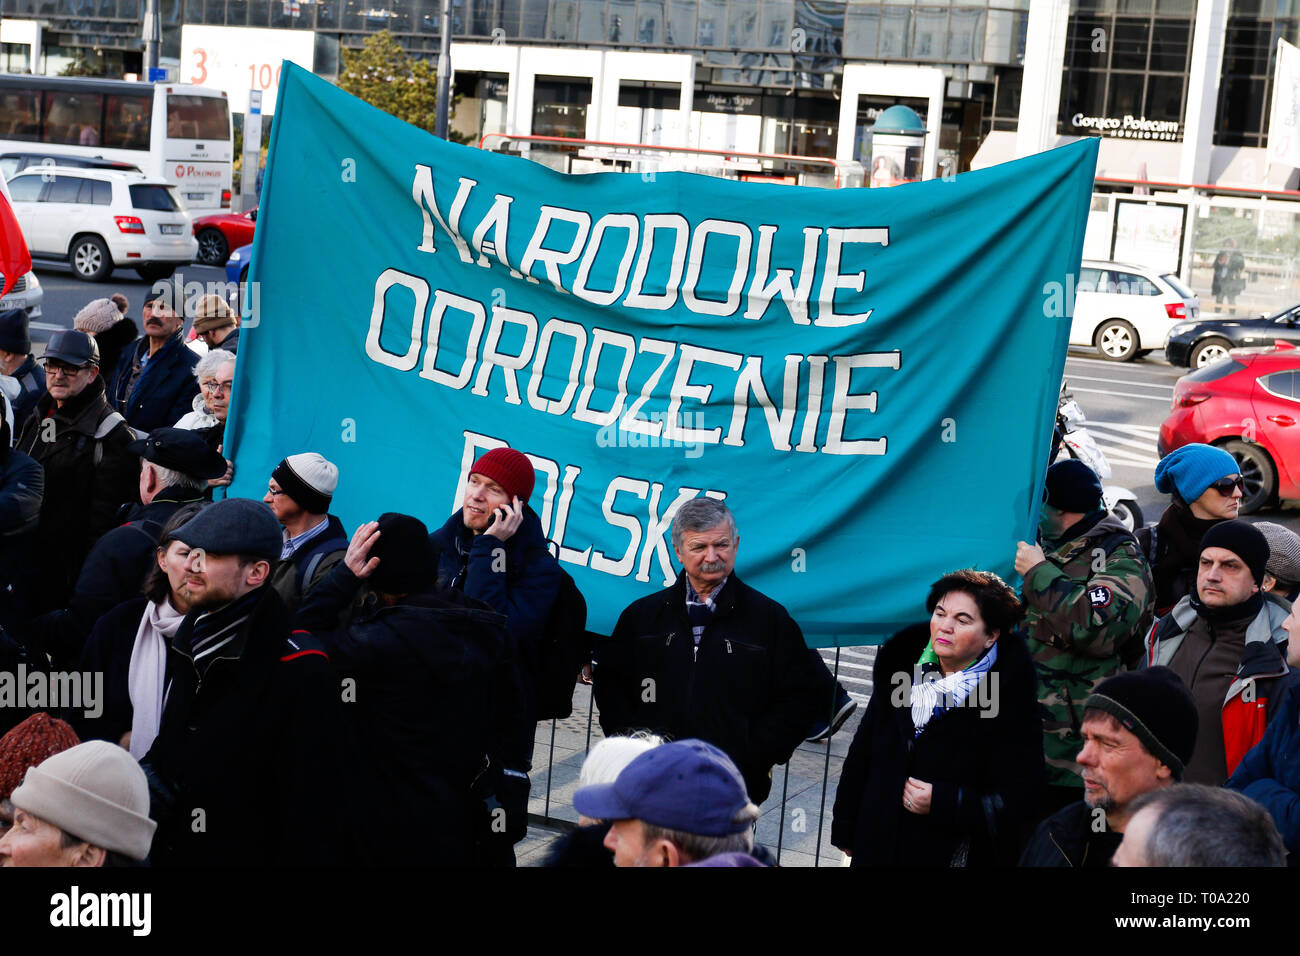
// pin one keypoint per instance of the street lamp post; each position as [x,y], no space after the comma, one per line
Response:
[444,72]
[150,36]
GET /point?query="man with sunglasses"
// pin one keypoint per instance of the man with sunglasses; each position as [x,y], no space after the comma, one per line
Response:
[1088,597]
[89,471]
[1229,647]
[1205,485]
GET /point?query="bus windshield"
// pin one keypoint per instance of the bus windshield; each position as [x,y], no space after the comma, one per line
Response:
[197,117]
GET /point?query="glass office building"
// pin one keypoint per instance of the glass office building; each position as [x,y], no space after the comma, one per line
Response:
[777,58]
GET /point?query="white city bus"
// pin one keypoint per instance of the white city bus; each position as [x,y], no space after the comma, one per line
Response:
[172,131]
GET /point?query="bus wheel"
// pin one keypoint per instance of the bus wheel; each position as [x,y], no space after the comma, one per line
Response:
[89,259]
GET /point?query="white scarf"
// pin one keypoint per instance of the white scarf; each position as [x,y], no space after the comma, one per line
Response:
[146,672]
[930,697]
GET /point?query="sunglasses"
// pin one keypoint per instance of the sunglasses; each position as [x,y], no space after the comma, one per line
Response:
[1224,486]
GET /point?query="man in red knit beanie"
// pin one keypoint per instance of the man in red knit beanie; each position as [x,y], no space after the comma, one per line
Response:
[493,549]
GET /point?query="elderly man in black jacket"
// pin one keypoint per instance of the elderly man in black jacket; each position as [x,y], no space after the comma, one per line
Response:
[246,767]
[154,383]
[431,682]
[712,658]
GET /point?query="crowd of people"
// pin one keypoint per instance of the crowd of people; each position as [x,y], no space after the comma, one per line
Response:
[248,667]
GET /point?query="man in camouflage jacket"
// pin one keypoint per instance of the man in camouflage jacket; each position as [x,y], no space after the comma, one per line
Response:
[1088,597]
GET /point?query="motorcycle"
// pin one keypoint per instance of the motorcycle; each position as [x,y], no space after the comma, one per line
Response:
[1071,439]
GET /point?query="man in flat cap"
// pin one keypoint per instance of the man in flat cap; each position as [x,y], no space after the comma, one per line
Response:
[176,465]
[89,472]
[245,768]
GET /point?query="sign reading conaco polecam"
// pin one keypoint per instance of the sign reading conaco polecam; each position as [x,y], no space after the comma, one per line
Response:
[239,59]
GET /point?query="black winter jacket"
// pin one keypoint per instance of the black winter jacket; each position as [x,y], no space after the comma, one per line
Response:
[108,652]
[22,488]
[81,496]
[247,766]
[114,572]
[750,688]
[1070,838]
[165,390]
[986,765]
[427,693]
[523,587]
[113,340]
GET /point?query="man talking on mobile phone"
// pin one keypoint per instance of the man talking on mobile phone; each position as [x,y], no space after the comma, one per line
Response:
[493,549]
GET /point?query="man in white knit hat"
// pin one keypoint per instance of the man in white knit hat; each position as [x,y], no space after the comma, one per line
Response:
[299,495]
[85,806]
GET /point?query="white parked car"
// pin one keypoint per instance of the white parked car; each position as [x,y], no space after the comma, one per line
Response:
[1125,311]
[26,294]
[96,219]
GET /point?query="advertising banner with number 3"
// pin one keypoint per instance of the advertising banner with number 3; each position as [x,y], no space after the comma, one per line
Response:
[239,59]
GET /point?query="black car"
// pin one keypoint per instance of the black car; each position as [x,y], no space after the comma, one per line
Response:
[1197,344]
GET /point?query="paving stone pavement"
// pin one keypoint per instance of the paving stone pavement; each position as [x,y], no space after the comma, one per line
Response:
[801,780]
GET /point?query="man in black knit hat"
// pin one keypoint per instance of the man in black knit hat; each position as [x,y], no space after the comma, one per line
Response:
[1228,645]
[17,361]
[435,696]
[1139,730]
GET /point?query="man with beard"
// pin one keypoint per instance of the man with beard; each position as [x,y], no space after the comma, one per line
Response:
[1139,729]
[154,384]
[245,767]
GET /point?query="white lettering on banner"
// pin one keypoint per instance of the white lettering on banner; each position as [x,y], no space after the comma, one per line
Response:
[599,339]
[685,265]
[509,364]
[648,547]
[666,422]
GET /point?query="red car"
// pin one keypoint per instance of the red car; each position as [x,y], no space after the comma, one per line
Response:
[1248,404]
[218,234]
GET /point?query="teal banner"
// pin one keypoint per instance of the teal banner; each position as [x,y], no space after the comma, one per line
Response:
[868,377]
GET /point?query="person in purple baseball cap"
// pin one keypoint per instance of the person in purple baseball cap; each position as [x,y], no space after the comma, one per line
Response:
[679,804]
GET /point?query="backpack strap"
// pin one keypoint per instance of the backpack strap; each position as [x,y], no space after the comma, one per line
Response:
[110,422]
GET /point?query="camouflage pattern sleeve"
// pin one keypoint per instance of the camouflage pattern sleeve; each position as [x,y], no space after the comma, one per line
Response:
[1093,603]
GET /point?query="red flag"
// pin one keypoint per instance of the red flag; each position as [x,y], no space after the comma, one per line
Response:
[15,259]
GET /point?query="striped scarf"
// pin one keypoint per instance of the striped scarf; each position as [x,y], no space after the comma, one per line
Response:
[932,697]
[216,629]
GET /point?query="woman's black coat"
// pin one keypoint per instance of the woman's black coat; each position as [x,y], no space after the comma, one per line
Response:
[985,762]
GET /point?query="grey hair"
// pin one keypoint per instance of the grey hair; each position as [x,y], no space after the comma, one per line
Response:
[168,478]
[209,364]
[694,847]
[701,514]
[1208,826]
[608,758]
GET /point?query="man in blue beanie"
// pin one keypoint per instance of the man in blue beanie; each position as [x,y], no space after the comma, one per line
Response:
[1206,487]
